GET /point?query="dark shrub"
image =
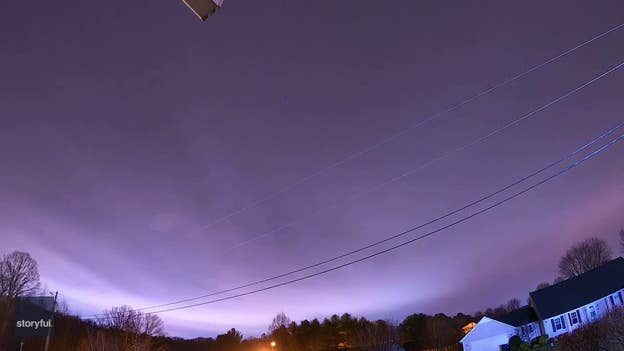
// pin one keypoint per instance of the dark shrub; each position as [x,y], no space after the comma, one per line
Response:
[543,340]
[606,334]
[515,342]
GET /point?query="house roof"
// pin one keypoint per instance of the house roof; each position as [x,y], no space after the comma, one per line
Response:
[580,290]
[522,316]
[486,328]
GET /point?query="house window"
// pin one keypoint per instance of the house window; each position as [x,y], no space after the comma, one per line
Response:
[557,323]
[612,300]
[620,297]
[526,332]
[592,312]
[574,317]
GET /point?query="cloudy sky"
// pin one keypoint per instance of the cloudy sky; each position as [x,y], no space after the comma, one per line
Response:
[148,157]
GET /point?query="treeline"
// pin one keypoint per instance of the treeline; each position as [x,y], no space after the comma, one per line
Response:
[125,329]
[122,328]
[335,333]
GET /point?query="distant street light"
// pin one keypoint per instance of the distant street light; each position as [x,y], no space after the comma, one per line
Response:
[273,344]
[203,8]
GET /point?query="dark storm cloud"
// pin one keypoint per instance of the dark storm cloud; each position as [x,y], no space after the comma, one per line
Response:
[127,129]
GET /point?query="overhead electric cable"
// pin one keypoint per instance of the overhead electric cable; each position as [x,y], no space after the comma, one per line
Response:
[463,219]
[490,134]
[379,242]
[426,164]
[396,135]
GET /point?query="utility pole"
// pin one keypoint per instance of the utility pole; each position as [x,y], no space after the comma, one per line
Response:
[47,343]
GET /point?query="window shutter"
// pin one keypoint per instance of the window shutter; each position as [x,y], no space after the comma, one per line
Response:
[552,321]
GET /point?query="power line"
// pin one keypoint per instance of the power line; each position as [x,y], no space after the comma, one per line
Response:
[463,147]
[428,163]
[396,135]
[464,219]
[468,205]
[513,123]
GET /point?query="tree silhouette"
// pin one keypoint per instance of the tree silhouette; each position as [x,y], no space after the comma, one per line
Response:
[377,336]
[584,256]
[19,275]
[413,330]
[280,320]
[513,304]
[442,331]
[128,329]
[229,341]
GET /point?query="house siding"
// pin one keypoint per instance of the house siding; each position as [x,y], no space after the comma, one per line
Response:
[600,308]
[487,335]
[527,336]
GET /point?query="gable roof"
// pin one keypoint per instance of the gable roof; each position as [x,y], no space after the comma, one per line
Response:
[522,316]
[580,290]
[487,327]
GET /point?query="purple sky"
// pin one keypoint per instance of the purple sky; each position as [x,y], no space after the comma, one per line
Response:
[127,127]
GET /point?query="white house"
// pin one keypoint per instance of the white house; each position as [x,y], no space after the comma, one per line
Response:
[490,333]
[563,307]
[554,310]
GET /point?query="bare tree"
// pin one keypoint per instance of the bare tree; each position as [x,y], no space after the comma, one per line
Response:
[377,336]
[121,318]
[587,255]
[280,320]
[130,329]
[19,275]
[152,325]
[513,304]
